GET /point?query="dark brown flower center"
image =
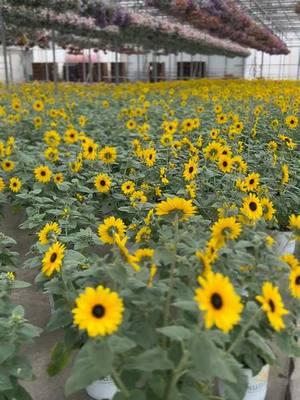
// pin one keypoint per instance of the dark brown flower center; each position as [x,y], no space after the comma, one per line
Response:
[297,280]
[251,181]
[98,311]
[191,169]
[43,173]
[102,183]
[253,206]
[53,257]
[272,305]
[216,301]
[90,149]
[225,163]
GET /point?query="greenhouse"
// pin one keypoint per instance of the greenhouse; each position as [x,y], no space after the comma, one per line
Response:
[150,199]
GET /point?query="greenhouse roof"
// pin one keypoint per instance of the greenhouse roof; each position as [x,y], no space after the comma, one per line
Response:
[279,15]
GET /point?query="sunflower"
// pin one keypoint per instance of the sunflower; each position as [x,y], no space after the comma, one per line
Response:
[294,221]
[190,170]
[71,136]
[217,298]
[102,183]
[139,197]
[43,174]
[150,157]
[128,187]
[251,182]
[53,258]
[144,254]
[7,165]
[221,119]
[108,155]
[131,124]
[272,305]
[212,151]
[110,227]
[50,231]
[38,105]
[252,207]
[166,139]
[291,121]
[239,164]
[2,185]
[183,208]
[205,262]
[58,178]
[285,174]
[98,311]
[295,282]
[225,164]
[90,150]
[125,253]
[226,229]
[143,235]
[290,260]
[15,184]
[268,208]
[52,138]
[51,154]
[38,122]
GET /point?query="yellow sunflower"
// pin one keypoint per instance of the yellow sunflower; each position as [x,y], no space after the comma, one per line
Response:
[290,260]
[125,253]
[53,258]
[90,150]
[251,182]
[2,185]
[190,170]
[272,305]
[50,231]
[108,155]
[212,151]
[131,124]
[43,174]
[294,221]
[226,229]
[218,299]
[71,136]
[205,262]
[38,105]
[58,178]
[285,174]
[183,208]
[138,197]
[225,164]
[268,208]
[98,311]
[15,184]
[52,138]
[7,165]
[252,207]
[102,183]
[128,187]
[143,235]
[150,157]
[291,121]
[110,227]
[51,154]
[295,282]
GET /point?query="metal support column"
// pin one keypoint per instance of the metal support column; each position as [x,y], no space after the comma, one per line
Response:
[90,75]
[225,66]
[298,71]
[54,60]
[192,67]
[4,48]
[10,66]
[138,64]
[181,66]
[117,68]
[262,64]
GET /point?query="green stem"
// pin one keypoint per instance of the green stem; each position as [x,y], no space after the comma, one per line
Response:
[172,273]
[243,331]
[120,383]
[177,373]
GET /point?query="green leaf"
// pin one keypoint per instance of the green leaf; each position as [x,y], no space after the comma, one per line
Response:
[5,383]
[121,345]
[236,390]
[179,333]
[59,319]
[6,350]
[93,362]
[151,360]
[263,348]
[60,356]
[186,305]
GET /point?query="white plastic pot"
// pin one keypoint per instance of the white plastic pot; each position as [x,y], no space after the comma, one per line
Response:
[103,389]
[284,243]
[257,385]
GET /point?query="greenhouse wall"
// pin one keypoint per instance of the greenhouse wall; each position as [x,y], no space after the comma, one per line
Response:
[19,63]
